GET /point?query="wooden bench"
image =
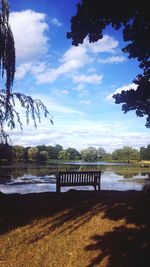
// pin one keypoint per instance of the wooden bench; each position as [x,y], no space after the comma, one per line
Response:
[78,178]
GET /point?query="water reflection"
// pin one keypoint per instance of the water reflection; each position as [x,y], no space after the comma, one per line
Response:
[27,188]
[28,178]
[113,181]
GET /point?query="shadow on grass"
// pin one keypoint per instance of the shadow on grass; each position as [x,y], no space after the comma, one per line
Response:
[123,247]
[18,210]
[68,211]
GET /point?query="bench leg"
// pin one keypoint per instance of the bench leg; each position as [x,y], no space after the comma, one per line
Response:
[58,188]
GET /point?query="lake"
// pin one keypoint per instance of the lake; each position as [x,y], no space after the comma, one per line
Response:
[25,178]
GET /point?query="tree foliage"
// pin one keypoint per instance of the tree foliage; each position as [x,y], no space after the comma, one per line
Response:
[18,152]
[8,113]
[125,154]
[53,151]
[7,48]
[5,152]
[74,154]
[42,156]
[44,153]
[132,17]
[64,155]
[33,153]
[145,153]
[101,153]
[89,154]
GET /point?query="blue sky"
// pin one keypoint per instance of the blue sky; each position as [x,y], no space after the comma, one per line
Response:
[75,83]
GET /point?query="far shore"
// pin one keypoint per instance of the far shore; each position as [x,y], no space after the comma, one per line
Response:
[57,161]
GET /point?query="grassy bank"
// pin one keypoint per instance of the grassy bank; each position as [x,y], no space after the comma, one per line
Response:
[74,229]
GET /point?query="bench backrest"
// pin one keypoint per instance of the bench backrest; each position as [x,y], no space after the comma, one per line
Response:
[79,177]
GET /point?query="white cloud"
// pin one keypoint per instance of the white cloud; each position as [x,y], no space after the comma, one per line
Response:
[22,70]
[81,90]
[78,57]
[93,79]
[73,59]
[59,113]
[120,89]
[76,53]
[49,76]
[57,107]
[29,30]
[72,128]
[106,44]
[56,22]
[81,134]
[32,46]
[113,59]
[29,67]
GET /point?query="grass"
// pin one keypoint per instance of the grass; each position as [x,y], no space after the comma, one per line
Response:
[75,229]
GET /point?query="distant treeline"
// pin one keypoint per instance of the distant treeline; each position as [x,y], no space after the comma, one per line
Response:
[45,153]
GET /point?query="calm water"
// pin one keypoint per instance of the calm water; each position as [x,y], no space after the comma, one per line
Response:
[29,178]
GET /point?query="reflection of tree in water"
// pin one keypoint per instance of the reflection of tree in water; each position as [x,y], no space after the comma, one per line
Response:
[76,167]
[5,177]
[127,174]
[28,170]
[89,168]
[145,174]
[34,170]
[67,167]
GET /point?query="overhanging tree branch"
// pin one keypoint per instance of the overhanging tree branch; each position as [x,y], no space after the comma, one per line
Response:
[133,18]
[8,113]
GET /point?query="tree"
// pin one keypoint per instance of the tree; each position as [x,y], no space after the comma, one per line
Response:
[42,148]
[125,154]
[18,152]
[74,154]
[64,155]
[101,153]
[145,153]
[33,107]
[148,152]
[133,18]
[42,156]
[5,152]
[89,154]
[53,151]
[33,153]
[57,149]
[129,153]
[117,154]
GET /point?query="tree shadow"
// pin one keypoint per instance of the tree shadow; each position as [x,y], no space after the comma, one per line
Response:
[73,206]
[127,245]
[123,247]
[68,211]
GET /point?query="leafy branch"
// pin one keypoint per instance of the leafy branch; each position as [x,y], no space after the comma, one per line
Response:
[8,113]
